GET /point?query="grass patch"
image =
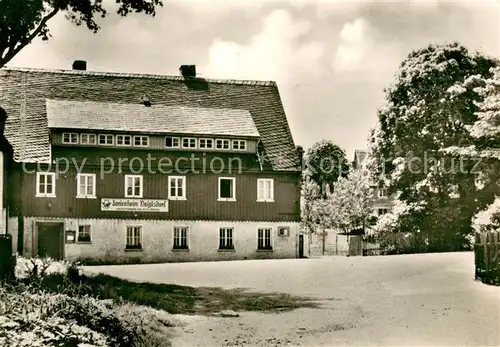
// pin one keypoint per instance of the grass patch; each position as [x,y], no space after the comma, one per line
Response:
[172,298]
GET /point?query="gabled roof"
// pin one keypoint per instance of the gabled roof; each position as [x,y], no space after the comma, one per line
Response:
[91,115]
[359,157]
[23,94]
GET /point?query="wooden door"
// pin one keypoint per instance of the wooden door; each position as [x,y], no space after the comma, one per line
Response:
[50,240]
[301,246]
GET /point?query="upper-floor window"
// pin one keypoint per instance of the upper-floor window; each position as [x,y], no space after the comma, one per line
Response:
[172,142]
[382,211]
[239,145]
[226,238]
[265,189]
[382,192]
[188,142]
[177,187]
[87,139]
[70,138]
[227,189]
[264,239]
[85,186]
[133,186]
[123,140]
[141,141]
[106,139]
[222,144]
[180,238]
[46,184]
[206,143]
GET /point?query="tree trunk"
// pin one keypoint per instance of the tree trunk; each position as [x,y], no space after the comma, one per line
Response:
[324,241]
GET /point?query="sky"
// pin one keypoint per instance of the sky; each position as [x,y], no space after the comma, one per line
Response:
[331,59]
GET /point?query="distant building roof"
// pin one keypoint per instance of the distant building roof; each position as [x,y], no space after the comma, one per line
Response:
[70,114]
[23,94]
[359,157]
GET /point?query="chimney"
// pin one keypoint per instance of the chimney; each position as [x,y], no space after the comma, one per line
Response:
[3,119]
[188,71]
[80,65]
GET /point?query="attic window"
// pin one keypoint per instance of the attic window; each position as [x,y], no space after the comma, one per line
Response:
[106,139]
[141,141]
[172,142]
[222,144]
[188,142]
[123,140]
[70,138]
[239,145]
[87,139]
[206,143]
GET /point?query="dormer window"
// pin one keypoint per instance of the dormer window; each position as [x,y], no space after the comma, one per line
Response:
[239,145]
[123,140]
[70,138]
[222,144]
[87,139]
[206,144]
[188,142]
[141,141]
[106,139]
[172,142]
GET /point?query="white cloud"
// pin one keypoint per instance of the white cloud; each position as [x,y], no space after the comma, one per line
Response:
[275,53]
[353,47]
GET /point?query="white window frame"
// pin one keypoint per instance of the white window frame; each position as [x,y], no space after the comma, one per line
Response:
[71,136]
[173,138]
[141,138]
[219,198]
[106,136]
[141,186]
[380,190]
[85,195]
[206,142]
[225,238]
[123,137]
[190,139]
[45,194]
[263,181]
[223,141]
[175,197]
[78,233]
[271,238]
[384,209]
[88,136]
[174,238]
[133,228]
[238,144]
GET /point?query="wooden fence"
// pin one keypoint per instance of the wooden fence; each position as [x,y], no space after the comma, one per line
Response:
[487,257]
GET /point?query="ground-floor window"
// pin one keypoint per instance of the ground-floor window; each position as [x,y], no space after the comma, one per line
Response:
[226,238]
[84,233]
[264,239]
[181,238]
[382,211]
[134,237]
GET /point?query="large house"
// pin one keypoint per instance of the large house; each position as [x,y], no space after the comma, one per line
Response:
[127,167]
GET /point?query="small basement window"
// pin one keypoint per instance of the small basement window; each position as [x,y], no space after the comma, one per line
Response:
[70,138]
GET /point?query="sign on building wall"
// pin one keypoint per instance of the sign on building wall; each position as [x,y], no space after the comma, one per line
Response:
[134,205]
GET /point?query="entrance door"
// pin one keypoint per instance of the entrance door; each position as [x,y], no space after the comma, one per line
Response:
[301,246]
[50,240]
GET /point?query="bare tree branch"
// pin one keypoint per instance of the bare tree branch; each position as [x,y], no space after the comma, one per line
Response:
[12,52]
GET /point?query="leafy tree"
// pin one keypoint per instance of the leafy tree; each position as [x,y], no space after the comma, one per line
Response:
[350,204]
[429,108]
[326,162]
[21,21]
[308,207]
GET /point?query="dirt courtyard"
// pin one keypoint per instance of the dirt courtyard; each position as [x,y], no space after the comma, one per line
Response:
[406,300]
